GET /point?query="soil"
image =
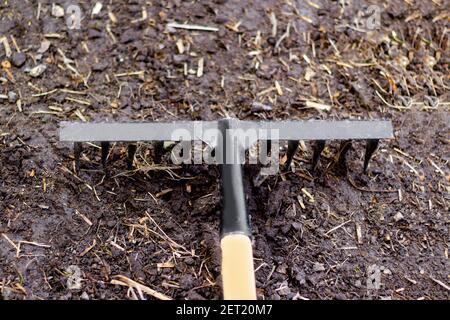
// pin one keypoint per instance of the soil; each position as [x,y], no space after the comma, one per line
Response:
[338,234]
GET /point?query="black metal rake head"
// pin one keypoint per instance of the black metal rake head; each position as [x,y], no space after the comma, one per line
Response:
[319,131]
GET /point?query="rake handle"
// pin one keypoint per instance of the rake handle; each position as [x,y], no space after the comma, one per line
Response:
[238,274]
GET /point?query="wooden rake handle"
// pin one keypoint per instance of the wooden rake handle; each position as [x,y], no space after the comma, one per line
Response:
[238,274]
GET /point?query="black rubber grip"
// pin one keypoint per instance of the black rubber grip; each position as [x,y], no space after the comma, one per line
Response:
[234,212]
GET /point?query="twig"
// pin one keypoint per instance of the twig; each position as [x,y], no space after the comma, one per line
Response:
[439,282]
[131,73]
[85,251]
[10,241]
[5,42]
[273,20]
[367,190]
[143,18]
[34,244]
[337,227]
[165,236]
[200,67]
[124,281]
[285,35]
[191,27]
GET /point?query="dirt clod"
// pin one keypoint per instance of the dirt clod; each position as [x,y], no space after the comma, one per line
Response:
[18,59]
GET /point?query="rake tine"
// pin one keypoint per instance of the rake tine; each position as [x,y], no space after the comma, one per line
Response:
[265,147]
[269,146]
[292,148]
[77,149]
[105,150]
[158,150]
[343,150]
[317,150]
[130,157]
[371,146]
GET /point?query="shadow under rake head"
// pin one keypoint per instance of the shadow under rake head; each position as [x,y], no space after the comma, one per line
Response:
[225,135]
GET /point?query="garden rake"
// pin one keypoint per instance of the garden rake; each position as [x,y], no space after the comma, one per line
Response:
[226,140]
